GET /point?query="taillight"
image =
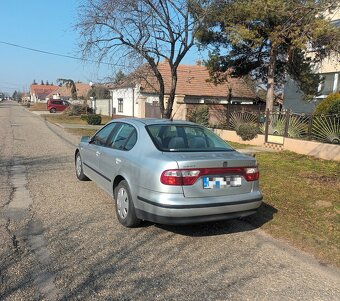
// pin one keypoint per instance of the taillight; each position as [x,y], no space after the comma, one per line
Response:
[185,177]
[251,174]
[179,177]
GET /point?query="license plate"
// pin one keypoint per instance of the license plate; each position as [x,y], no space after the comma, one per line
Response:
[221,182]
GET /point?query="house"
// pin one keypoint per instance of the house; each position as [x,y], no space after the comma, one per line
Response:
[64,92]
[39,93]
[138,94]
[329,70]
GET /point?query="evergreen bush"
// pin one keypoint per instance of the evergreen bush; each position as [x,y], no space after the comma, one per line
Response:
[330,105]
[247,131]
[94,119]
[199,115]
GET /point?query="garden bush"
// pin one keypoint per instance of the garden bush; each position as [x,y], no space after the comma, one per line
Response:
[94,119]
[76,110]
[199,115]
[330,105]
[247,131]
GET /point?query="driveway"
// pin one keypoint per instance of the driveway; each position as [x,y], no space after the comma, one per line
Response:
[60,239]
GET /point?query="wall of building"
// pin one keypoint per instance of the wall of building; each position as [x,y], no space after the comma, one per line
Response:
[103,107]
[129,96]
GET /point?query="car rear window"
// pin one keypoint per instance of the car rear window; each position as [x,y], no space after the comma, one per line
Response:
[186,138]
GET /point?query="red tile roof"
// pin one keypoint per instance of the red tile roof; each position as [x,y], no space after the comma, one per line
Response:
[193,80]
[63,91]
[41,91]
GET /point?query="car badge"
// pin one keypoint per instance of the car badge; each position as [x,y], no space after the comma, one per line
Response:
[225,164]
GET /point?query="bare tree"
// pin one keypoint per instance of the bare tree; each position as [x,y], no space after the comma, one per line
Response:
[153,30]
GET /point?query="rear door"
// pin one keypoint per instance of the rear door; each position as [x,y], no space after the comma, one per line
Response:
[114,155]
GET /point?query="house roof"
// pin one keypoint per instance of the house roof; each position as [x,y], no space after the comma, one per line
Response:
[63,91]
[192,81]
[42,91]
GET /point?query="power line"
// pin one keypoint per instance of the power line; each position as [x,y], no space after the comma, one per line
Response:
[58,54]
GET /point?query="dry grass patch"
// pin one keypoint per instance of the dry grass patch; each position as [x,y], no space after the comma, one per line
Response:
[64,118]
[38,107]
[81,132]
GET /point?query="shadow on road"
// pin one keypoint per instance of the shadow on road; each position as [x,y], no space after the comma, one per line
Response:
[264,214]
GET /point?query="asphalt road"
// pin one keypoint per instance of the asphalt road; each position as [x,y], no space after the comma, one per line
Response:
[60,239]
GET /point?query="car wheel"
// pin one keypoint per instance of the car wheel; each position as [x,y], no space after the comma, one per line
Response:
[125,209]
[53,110]
[79,169]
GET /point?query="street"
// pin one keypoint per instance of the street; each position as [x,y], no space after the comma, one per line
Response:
[60,238]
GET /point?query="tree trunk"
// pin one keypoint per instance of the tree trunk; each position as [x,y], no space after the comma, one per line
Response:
[172,94]
[271,79]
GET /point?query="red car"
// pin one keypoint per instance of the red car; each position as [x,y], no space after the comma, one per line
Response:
[57,105]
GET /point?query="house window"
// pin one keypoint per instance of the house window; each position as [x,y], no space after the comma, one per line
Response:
[330,83]
[120,105]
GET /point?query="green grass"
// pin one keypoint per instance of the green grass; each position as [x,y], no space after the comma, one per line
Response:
[302,201]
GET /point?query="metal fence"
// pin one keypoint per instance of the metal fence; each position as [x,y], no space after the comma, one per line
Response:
[323,128]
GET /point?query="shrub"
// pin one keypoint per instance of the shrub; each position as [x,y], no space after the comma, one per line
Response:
[335,108]
[247,131]
[83,117]
[76,110]
[94,119]
[330,105]
[199,115]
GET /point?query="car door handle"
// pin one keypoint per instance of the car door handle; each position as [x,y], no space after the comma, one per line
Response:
[97,153]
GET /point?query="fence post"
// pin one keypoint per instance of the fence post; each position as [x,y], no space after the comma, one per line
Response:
[267,125]
[286,123]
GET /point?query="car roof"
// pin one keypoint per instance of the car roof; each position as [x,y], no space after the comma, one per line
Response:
[151,121]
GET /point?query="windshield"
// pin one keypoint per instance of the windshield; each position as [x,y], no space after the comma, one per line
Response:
[186,138]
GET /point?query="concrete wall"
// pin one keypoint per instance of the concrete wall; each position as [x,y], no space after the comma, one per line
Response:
[233,137]
[312,148]
[103,107]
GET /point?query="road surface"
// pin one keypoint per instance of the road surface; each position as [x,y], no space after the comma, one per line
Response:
[60,239]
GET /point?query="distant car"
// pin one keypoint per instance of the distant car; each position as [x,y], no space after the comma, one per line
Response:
[57,105]
[169,172]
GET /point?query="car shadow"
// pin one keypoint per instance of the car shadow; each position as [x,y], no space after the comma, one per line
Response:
[264,214]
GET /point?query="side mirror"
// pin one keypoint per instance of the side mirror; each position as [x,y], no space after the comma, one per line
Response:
[85,139]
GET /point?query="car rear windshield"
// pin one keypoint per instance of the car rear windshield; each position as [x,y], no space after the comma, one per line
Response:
[186,138]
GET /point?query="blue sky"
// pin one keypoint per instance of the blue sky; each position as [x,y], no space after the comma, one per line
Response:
[48,26]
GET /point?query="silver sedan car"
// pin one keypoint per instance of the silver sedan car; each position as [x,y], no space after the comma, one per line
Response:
[168,172]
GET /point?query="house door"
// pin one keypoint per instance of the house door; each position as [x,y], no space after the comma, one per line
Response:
[152,110]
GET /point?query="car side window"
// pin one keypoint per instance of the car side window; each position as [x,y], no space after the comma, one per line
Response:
[101,137]
[125,138]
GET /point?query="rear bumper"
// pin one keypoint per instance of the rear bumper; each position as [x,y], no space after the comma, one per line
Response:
[176,209]
[166,220]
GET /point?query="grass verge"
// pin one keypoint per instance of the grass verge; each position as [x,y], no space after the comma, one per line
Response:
[301,202]
[63,118]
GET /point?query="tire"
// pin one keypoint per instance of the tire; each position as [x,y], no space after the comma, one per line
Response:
[53,110]
[125,209]
[79,168]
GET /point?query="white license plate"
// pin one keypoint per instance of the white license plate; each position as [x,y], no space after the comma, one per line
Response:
[221,182]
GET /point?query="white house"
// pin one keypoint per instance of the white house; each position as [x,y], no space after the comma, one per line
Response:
[329,69]
[138,94]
